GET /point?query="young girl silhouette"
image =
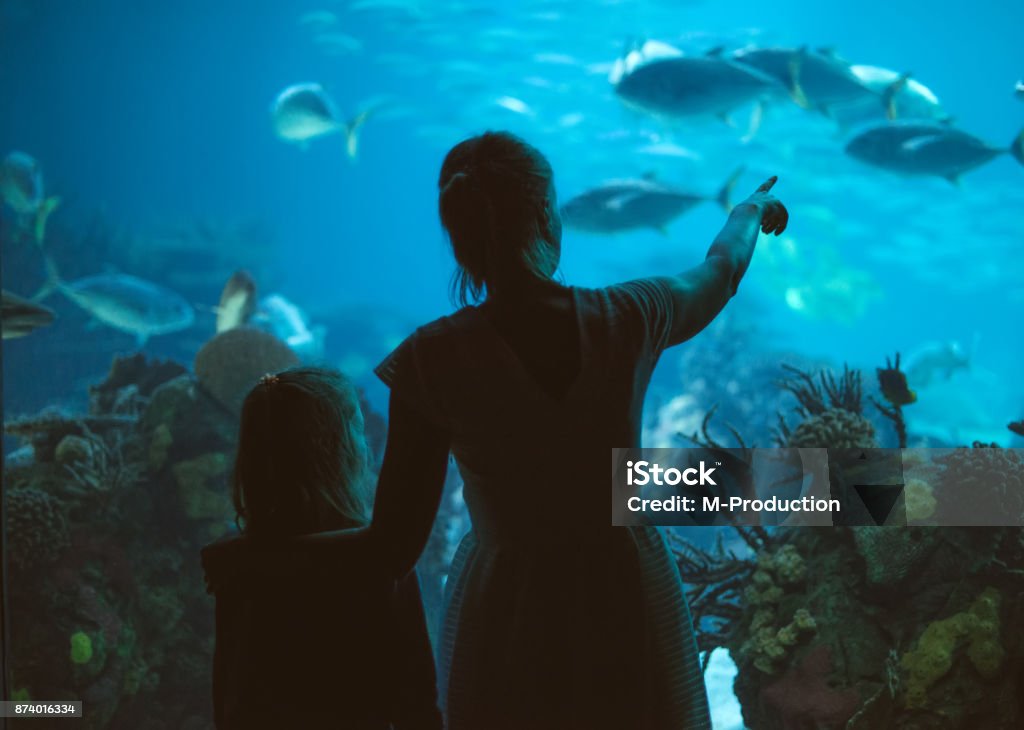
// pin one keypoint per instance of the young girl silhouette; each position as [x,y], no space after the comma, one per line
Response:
[556,620]
[324,645]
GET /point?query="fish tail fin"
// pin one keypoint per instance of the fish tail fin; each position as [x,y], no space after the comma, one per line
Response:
[52,282]
[889,96]
[42,215]
[1017,147]
[796,65]
[351,130]
[723,198]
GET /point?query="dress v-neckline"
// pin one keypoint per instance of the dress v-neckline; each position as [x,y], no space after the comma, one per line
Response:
[523,375]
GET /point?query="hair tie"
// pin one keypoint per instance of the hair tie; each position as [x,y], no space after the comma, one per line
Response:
[270,379]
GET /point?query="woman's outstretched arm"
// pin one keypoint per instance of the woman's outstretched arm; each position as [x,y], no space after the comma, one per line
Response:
[700,293]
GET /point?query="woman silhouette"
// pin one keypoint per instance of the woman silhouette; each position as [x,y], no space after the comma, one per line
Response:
[555,619]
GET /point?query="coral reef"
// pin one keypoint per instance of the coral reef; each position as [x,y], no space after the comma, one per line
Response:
[976,628]
[891,554]
[131,381]
[834,428]
[81,648]
[870,627]
[830,411]
[803,698]
[109,515]
[229,364]
[37,528]
[991,478]
[919,500]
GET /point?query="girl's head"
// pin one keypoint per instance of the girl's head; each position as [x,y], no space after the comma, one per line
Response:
[497,204]
[302,460]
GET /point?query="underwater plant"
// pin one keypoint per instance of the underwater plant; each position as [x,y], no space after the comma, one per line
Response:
[831,411]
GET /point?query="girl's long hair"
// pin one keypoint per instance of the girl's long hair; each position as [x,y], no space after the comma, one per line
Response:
[302,461]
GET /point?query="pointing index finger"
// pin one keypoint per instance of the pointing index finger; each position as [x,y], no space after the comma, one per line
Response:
[767,184]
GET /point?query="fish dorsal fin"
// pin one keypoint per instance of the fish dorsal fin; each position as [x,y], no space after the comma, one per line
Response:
[795,68]
[889,95]
[716,52]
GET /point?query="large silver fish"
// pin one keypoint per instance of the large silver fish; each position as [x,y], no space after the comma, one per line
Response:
[927,148]
[623,205]
[125,302]
[815,79]
[19,316]
[304,112]
[693,86]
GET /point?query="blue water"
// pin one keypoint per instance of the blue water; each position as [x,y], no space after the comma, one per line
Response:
[158,113]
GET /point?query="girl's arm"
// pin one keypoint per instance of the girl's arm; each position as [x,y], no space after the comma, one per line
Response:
[700,294]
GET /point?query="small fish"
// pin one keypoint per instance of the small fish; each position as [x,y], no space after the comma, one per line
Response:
[19,316]
[338,43]
[304,112]
[893,383]
[927,148]
[1017,427]
[623,205]
[517,106]
[21,187]
[237,302]
[124,302]
[318,18]
[283,319]
[937,361]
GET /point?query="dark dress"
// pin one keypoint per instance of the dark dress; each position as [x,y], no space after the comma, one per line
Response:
[555,619]
[324,647]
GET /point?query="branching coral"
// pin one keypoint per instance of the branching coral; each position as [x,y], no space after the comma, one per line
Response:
[715,580]
[47,429]
[107,467]
[831,411]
